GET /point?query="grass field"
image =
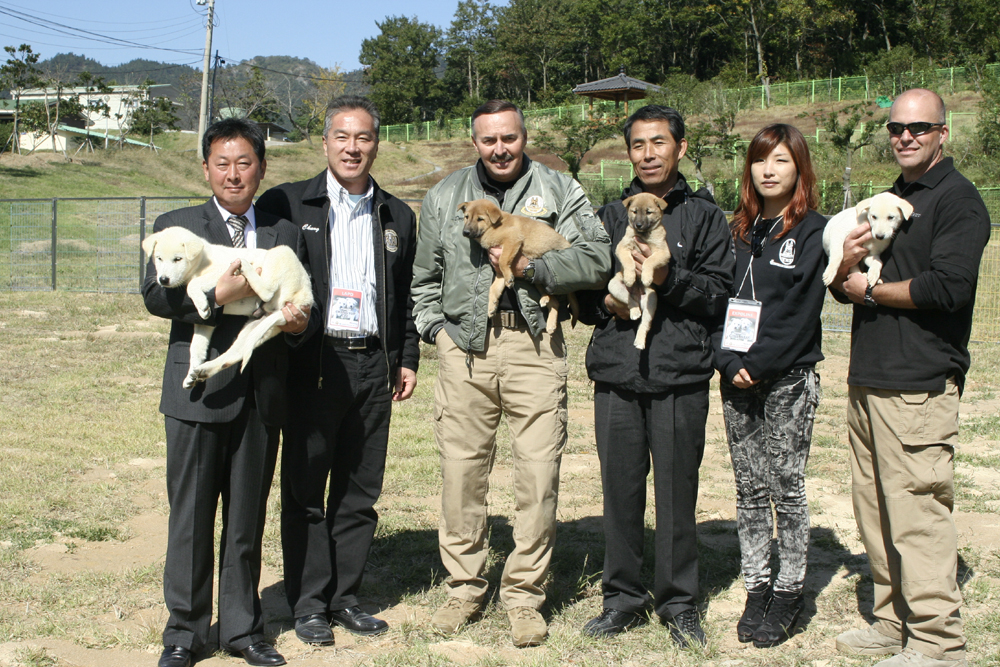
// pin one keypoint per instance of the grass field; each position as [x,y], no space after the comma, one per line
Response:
[83,517]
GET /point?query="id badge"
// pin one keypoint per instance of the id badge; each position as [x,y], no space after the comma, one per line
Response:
[742,320]
[345,313]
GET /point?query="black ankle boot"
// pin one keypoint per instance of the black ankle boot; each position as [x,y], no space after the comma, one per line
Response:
[758,600]
[779,620]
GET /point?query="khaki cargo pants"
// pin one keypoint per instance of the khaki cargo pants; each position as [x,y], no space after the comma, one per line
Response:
[525,379]
[902,446]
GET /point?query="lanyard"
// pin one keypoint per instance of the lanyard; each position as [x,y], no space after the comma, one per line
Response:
[749,271]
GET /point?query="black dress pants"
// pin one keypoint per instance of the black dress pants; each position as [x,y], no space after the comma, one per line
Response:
[234,461]
[632,430]
[339,433]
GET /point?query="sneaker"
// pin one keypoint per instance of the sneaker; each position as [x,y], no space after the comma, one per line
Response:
[911,657]
[758,600]
[779,620]
[612,622]
[527,627]
[685,629]
[453,614]
[867,641]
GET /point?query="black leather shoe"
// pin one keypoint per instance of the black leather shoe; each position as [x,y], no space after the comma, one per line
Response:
[314,629]
[262,654]
[685,629]
[358,622]
[175,656]
[612,622]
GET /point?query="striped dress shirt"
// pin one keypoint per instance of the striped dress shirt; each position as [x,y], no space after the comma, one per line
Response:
[352,255]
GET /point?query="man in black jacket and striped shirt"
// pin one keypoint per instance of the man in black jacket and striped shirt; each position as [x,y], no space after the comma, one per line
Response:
[358,355]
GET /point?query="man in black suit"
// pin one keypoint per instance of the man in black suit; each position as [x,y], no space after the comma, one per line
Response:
[222,435]
[359,354]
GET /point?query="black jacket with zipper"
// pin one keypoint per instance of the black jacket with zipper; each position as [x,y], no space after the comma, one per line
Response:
[691,301]
[307,205]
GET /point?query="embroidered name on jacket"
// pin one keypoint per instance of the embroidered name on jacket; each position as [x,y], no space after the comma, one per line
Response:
[310,228]
[786,255]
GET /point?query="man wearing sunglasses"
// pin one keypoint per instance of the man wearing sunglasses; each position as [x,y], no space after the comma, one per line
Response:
[909,359]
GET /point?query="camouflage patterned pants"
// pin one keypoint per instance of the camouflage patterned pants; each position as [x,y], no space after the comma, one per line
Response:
[769,427]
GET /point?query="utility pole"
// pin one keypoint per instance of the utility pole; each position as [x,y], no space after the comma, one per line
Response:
[215,70]
[202,116]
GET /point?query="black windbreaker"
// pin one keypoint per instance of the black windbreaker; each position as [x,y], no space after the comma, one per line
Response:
[691,301]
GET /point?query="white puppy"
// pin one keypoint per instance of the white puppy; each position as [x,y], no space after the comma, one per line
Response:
[885,212]
[182,258]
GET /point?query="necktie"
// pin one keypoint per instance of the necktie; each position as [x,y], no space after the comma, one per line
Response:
[239,222]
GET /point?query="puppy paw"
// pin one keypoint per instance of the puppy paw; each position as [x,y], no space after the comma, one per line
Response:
[635,313]
[640,342]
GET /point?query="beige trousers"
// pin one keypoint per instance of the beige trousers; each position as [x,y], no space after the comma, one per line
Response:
[525,379]
[902,446]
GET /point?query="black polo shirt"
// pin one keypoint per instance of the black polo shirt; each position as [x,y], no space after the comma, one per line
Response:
[939,248]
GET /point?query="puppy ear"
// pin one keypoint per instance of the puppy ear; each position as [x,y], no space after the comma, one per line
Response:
[495,215]
[906,208]
[149,244]
[863,205]
[463,205]
[626,202]
[193,248]
[662,203]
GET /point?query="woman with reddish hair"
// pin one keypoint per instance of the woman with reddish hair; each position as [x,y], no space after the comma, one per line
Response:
[766,355]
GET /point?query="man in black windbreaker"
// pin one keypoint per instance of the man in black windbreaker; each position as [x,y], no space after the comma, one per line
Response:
[653,403]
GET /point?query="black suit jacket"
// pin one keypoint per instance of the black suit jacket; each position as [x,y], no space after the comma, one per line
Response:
[221,398]
[307,205]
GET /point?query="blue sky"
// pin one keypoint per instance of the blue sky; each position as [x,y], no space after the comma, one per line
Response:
[328,32]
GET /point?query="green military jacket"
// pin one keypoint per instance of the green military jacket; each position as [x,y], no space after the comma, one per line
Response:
[452,274]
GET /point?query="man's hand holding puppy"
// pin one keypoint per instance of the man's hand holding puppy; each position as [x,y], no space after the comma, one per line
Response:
[620,310]
[232,286]
[854,285]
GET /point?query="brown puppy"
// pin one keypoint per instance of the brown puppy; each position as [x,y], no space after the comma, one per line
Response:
[491,227]
[645,217]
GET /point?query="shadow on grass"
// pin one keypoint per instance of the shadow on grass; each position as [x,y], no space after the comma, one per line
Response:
[19,172]
[406,562]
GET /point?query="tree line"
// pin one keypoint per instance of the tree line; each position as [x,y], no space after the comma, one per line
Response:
[535,51]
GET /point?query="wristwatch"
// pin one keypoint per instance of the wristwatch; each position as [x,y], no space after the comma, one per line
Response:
[869,301]
[529,270]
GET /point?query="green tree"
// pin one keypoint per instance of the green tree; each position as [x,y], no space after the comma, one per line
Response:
[469,45]
[400,66]
[855,131]
[988,120]
[578,137]
[17,75]
[95,102]
[153,115]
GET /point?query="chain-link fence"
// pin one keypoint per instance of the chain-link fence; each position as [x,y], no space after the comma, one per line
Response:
[93,245]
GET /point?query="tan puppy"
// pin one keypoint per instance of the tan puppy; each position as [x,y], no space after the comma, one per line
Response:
[885,212]
[645,217]
[184,259]
[491,227]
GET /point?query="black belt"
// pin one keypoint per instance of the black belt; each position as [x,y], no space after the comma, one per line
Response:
[353,342]
[510,319]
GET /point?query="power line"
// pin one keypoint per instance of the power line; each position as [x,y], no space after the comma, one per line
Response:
[104,22]
[86,34]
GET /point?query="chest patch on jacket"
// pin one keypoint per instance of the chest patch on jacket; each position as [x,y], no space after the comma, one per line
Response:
[391,240]
[535,206]
[787,252]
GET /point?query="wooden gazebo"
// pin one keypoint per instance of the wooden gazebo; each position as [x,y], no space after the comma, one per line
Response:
[619,88]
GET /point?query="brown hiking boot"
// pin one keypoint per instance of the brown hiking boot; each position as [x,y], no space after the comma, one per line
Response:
[527,627]
[453,614]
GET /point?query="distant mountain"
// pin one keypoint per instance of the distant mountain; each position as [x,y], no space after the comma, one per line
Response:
[283,74]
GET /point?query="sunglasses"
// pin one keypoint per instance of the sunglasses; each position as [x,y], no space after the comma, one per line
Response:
[916,129]
[757,238]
